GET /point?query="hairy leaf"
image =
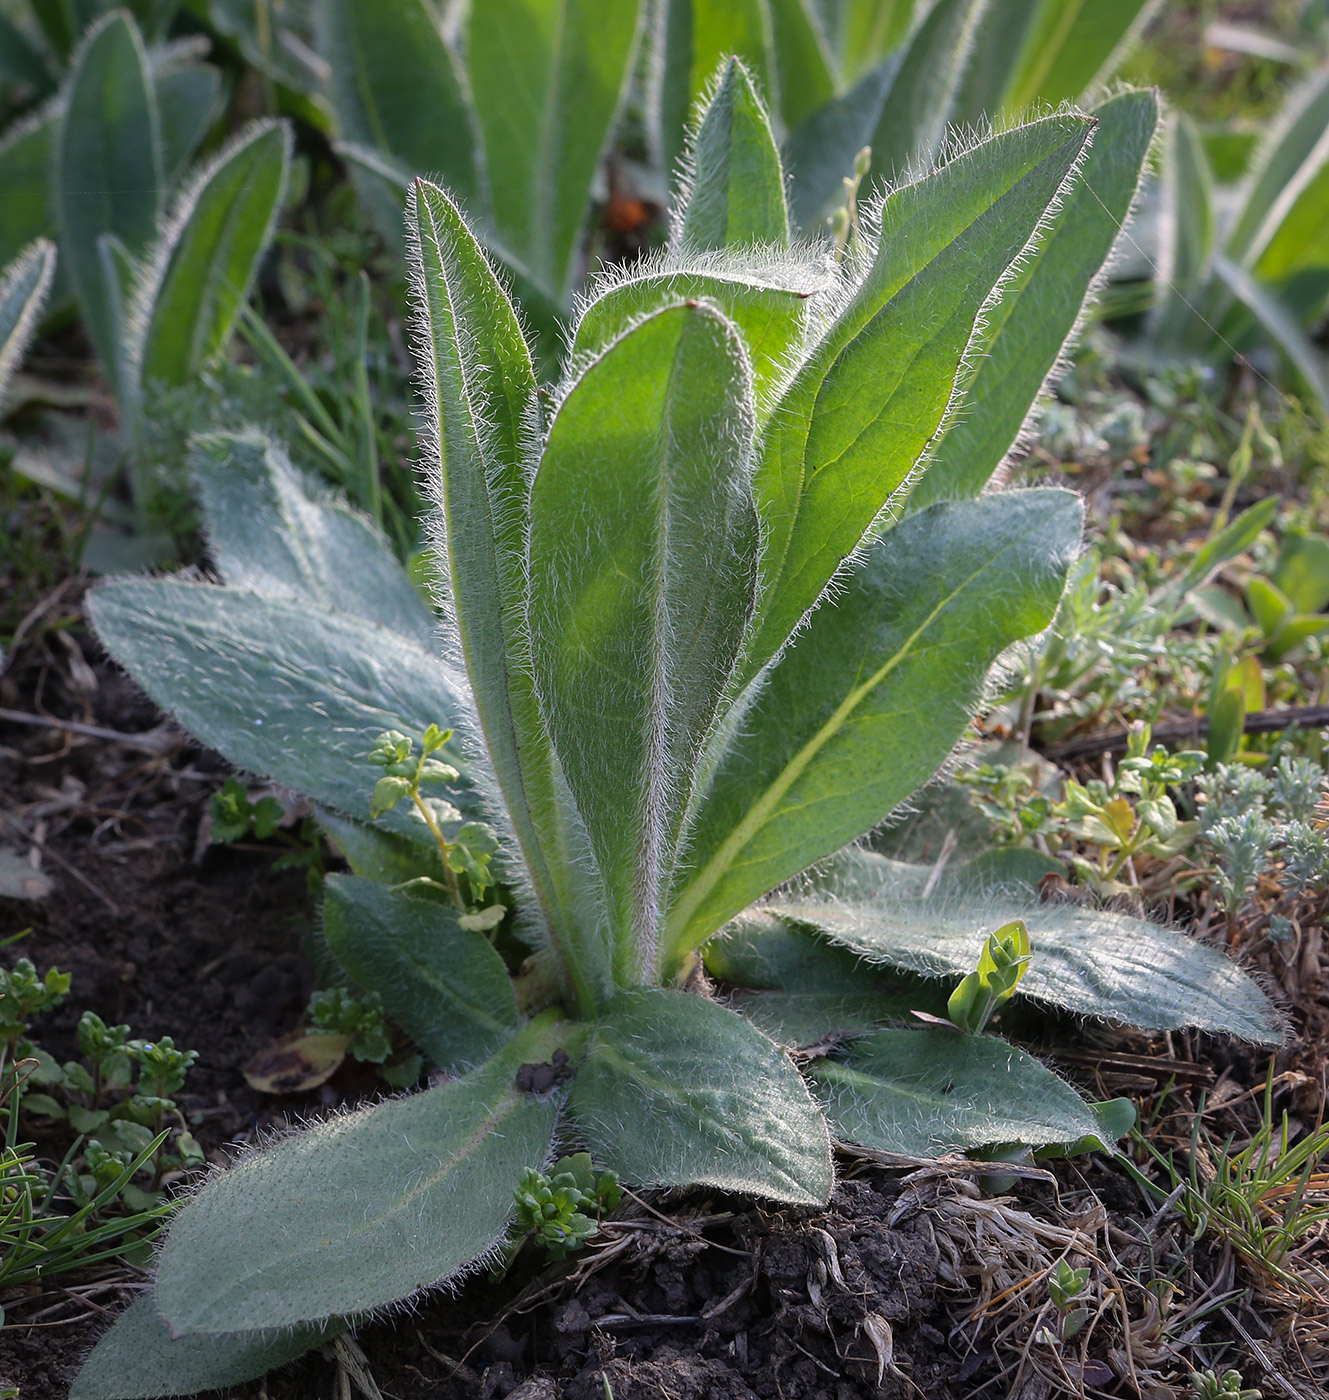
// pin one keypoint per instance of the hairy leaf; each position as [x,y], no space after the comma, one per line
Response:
[481,388]
[643,551]
[280,686]
[138,1358]
[873,694]
[769,309]
[676,1091]
[272,1243]
[861,409]
[444,985]
[23,288]
[547,78]
[268,534]
[1027,330]
[869,29]
[735,195]
[397,88]
[1090,961]
[201,274]
[107,168]
[926,1093]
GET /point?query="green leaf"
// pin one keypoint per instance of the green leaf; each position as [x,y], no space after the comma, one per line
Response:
[819,153]
[382,856]
[444,986]
[927,1093]
[25,159]
[1071,46]
[734,194]
[1287,160]
[268,534]
[547,79]
[396,87]
[1278,322]
[187,102]
[1302,571]
[202,271]
[481,388]
[677,1091]
[23,288]
[107,168]
[272,1242]
[861,409]
[999,43]
[872,695]
[1190,227]
[280,686]
[23,70]
[1089,961]
[911,122]
[804,68]
[869,29]
[769,307]
[1232,540]
[641,587]
[718,31]
[1027,331]
[798,988]
[138,1359]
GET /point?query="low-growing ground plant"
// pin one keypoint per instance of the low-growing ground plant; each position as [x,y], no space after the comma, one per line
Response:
[712,612]
[106,1197]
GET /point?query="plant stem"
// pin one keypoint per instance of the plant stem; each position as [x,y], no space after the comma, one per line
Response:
[454,889]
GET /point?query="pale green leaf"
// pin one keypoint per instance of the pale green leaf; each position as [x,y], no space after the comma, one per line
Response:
[280,686]
[675,1090]
[1028,329]
[23,288]
[397,88]
[201,274]
[444,985]
[861,409]
[362,1210]
[383,856]
[481,389]
[268,534]
[911,122]
[735,193]
[641,587]
[1089,961]
[872,695]
[137,1359]
[927,1093]
[999,43]
[1071,46]
[769,306]
[107,168]
[547,79]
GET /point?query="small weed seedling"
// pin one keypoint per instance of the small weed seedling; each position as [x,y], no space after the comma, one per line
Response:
[562,1210]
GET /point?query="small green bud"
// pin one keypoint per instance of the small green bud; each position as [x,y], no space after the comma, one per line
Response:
[387,793]
[863,162]
[435,738]
[392,746]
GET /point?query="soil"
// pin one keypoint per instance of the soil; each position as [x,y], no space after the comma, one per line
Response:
[909,1284]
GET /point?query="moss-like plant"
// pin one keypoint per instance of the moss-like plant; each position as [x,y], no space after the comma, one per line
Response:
[712,612]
